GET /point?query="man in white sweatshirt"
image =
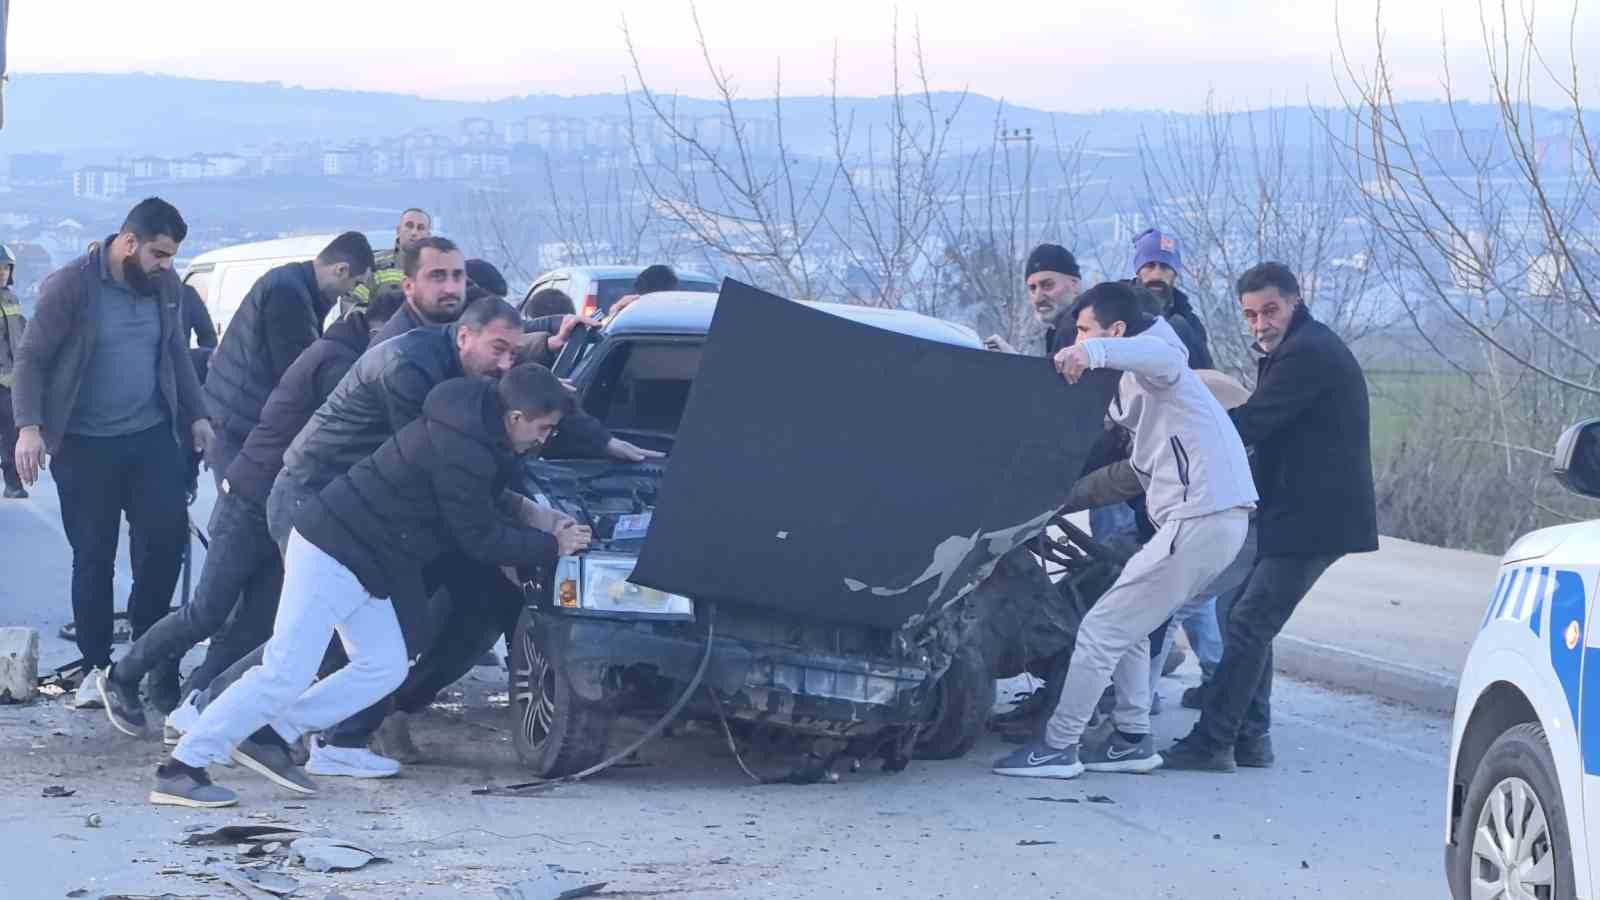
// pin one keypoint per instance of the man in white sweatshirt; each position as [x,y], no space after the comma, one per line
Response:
[1199,493]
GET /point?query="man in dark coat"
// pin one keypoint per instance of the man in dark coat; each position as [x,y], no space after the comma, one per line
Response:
[276,322]
[1308,423]
[354,568]
[236,598]
[105,385]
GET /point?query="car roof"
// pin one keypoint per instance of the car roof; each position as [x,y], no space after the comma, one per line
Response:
[689,313]
[305,246]
[622,272]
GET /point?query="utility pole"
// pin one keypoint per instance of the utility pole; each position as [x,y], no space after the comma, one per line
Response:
[1023,136]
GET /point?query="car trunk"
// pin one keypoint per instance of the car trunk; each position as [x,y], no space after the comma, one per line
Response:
[838,472]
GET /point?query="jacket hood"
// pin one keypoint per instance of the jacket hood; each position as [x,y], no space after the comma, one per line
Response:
[470,406]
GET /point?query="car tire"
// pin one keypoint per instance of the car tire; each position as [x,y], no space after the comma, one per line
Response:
[959,707]
[1517,772]
[554,735]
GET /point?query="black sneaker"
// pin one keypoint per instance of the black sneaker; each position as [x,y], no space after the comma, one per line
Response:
[1119,755]
[181,785]
[1195,697]
[16,493]
[271,760]
[1040,760]
[1254,752]
[1190,756]
[122,703]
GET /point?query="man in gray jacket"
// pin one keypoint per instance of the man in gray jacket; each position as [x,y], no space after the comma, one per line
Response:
[1199,493]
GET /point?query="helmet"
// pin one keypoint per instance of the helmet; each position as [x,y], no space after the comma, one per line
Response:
[7,259]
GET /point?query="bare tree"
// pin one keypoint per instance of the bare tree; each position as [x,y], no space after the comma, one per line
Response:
[609,222]
[1487,226]
[1483,232]
[1237,191]
[893,196]
[758,211]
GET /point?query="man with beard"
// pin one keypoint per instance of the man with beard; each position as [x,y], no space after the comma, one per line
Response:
[104,384]
[1156,263]
[277,320]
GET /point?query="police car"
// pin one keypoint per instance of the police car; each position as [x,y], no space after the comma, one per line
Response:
[1523,809]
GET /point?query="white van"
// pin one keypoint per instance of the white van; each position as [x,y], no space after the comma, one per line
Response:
[223,276]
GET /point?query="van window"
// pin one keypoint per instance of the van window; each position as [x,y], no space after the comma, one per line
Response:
[200,280]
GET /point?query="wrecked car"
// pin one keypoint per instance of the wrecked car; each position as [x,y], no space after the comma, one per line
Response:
[808,562]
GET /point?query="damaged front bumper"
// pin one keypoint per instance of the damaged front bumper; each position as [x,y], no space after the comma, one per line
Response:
[757,669]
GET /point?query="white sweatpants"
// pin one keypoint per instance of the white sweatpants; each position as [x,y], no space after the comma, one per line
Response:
[320,598]
[1114,637]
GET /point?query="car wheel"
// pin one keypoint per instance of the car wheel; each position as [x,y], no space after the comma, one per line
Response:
[554,736]
[958,707]
[1512,839]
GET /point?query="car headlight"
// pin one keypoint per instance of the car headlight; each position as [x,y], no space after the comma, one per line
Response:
[598,582]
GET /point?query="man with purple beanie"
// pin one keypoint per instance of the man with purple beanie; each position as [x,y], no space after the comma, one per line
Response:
[1156,264]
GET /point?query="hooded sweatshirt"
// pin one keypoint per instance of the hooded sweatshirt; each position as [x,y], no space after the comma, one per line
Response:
[1185,449]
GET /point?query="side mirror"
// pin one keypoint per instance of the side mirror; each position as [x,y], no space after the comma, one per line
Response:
[1578,459]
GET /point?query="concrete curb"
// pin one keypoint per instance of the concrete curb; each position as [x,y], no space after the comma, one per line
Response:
[1357,671]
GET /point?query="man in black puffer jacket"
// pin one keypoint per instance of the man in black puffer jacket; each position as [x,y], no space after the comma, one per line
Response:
[237,595]
[275,323]
[354,568]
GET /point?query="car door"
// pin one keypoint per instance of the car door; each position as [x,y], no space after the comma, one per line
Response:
[1573,587]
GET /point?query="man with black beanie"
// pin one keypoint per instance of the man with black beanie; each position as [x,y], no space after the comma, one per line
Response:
[1054,282]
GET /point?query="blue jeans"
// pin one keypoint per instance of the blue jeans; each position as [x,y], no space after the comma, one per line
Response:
[1107,523]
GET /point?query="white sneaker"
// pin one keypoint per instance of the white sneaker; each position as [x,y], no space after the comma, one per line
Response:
[181,721]
[88,695]
[349,762]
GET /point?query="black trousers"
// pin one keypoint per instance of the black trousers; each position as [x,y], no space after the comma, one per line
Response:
[233,604]
[99,480]
[8,441]
[1239,703]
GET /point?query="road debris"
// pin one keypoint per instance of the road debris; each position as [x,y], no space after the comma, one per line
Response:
[93,821]
[1100,798]
[242,834]
[548,886]
[56,790]
[1026,843]
[1055,799]
[331,855]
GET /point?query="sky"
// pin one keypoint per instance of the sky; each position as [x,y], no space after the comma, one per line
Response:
[1059,55]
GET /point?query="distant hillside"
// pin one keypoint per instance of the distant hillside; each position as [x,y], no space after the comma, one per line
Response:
[104,115]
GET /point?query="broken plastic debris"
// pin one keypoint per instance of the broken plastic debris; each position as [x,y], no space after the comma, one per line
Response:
[1099,798]
[242,834]
[56,790]
[1034,843]
[271,882]
[331,855]
[1055,799]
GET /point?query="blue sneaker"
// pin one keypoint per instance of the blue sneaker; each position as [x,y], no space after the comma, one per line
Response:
[1040,760]
[1119,755]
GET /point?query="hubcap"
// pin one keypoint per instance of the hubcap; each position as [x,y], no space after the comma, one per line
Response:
[534,693]
[1513,856]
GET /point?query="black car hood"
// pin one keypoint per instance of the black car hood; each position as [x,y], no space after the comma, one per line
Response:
[836,471]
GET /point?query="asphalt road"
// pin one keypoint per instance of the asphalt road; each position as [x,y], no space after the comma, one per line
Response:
[1353,808]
